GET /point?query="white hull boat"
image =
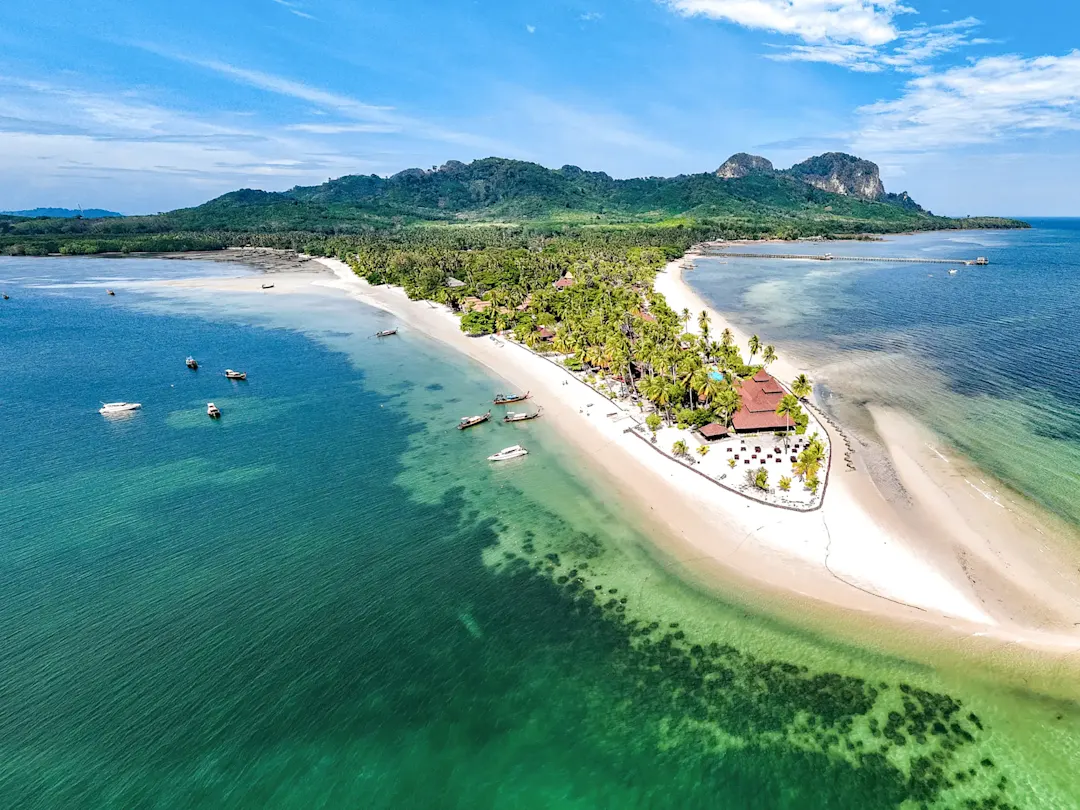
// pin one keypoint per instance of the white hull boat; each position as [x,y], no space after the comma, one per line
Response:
[117,408]
[517,451]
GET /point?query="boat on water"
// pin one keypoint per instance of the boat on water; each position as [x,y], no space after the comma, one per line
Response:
[113,408]
[213,411]
[6,296]
[110,292]
[517,451]
[507,399]
[952,272]
[471,421]
[521,417]
[235,375]
[386,333]
[192,363]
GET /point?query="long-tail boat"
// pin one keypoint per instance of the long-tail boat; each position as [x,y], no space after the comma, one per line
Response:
[507,399]
[470,421]
[522,417]
[386,333]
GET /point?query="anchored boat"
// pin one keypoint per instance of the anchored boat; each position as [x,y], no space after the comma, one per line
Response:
[114,408]
[517,451]
[386,333]
[521,417]
[192,363]
[471,421]
[235,375]
[507,399]
[110,292]
[213,411]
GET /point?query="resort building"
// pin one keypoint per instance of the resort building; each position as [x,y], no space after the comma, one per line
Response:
[760,395]
[565,281]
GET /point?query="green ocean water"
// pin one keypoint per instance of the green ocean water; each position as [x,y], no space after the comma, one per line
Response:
[330,600]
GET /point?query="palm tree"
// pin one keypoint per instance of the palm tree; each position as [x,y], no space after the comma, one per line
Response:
[789,407]
[754,344]
[703,324]
[652,388]
[801,386]
[728,402]
[700,382]
[679,448]
[726,338]
[768,356]
[685,317]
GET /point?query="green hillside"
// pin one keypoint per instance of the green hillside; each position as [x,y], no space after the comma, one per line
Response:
[496,191]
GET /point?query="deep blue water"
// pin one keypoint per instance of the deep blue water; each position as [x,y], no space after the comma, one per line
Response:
[329,600]
[987,357]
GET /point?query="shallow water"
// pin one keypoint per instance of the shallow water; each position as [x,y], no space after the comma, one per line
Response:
[328,599]
[986,357]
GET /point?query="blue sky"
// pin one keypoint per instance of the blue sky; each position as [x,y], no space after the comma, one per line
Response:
[973,107]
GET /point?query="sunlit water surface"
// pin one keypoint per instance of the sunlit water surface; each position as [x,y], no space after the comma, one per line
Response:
[329,599]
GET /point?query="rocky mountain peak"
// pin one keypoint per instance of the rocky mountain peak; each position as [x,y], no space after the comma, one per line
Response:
[743,165]
[841,173]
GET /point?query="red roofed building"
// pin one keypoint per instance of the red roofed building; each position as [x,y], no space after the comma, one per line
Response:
[760,395]
[545,334]
[565,281]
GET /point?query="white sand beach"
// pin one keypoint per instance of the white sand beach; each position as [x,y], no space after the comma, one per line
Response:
[956,557]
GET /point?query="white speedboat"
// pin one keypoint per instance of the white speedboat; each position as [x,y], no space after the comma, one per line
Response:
[235,375]
[213,411]
[112,408]
[517,451]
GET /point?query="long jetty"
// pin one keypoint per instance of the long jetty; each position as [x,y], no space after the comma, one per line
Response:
[828,257]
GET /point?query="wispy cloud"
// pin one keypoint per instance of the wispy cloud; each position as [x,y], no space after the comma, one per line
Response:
[591,16]
[531,29]
[859,35]
[990,100]
[339,129]
[866,22]
[297,9]
[343,105]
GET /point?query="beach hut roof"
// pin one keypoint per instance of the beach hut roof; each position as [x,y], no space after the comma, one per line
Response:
[714,430]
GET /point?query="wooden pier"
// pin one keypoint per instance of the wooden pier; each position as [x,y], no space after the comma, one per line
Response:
[828,257]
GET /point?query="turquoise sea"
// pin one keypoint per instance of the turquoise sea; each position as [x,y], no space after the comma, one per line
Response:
[987,357]
[328,599]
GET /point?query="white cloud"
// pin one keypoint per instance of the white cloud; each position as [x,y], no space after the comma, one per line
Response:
[531,29]
[910,52]
[591,16]
[296,8]
[860,35]
[866,22]
[989,100]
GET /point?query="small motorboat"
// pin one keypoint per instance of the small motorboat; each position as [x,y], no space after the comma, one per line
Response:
[192,363]
[213,411]
[268,286]
[114,408]
[235,375]
[521,417]
[6,296]
[471,421]
[507,399]
[386,333]
[517,451]
[952,272]
[110,292]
